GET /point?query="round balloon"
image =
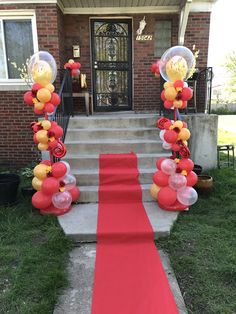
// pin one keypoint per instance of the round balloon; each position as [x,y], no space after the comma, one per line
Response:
[41,200]
[168,166]
[42,68]
[154,190]
[67,165]
[176,63]
[75,193]
[50,186]
[62,200]
[177,181]
[166,196]
[69,180]
[187,196]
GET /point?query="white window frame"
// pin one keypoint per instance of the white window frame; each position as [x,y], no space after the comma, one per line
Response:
[17,84]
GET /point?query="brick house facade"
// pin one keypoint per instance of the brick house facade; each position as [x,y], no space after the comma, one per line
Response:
[57,32]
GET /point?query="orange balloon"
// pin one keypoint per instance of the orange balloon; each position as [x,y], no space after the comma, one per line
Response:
[178,103]
[42,146]
[46,124]
[184,134]
[41,171]
[50,87]
[39,105]
[43,95]
[170,93]
[37,184]
[154,190]
[42,136]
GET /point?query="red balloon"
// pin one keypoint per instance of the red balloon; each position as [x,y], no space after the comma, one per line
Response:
[179,84]
[46,162]
[50,186]
[52,210]
[160,178]
[186,164]
[49,107]
[75,193]
[55,99]
[174,207]
[168,104]
[167,196]
[167,125]
[67,65]
[39,112]
[58,131]
[187,93]
[52,144]
[170,136]
[35,139]
[184,124]
[59,169]
[163,95]
[28,98]
[175,147]
[184,105]
[74,72]
[41,200]
[159,161]
[75,65]
[192,178]
[36,87]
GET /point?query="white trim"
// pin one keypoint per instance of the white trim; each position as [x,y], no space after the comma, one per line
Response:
[19,86]
[122,10]
[27,1]
[4,50]
[18,15]
[201,7]
[183,21]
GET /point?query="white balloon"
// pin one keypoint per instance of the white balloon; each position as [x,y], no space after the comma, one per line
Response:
[67,165]
[177,181]
[168,166]
[162,132]
[166,145]
[70,181]
[187,196]
[62,200]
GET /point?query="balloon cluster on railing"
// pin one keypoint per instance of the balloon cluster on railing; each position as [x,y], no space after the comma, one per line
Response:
[174,179]
[74,67]
[55,185]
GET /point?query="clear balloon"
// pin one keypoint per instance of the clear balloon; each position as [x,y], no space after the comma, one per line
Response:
[67,165]
[176,63]
[177,181]
[42,68]
[70,181]
[166,145]
[62,200]
[168,166]
[162,132]
[187,196]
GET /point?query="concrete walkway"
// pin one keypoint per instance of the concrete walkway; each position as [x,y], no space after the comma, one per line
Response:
[77,298]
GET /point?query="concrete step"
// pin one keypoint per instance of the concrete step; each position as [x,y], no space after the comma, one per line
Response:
[114,121]
[91,176]
[76,134]
[89,193]
[91,161]
[77,298]
[80,224]
[114,146]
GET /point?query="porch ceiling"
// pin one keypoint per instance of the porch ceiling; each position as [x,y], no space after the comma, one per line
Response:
[132,6]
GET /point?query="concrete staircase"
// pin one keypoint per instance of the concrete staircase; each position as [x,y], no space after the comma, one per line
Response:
[86,138]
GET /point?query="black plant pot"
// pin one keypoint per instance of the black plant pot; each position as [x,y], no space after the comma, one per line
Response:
[27,191]
[197,169]
[8,188]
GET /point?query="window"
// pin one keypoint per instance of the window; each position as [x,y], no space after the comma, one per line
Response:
[162,37]
[18,41]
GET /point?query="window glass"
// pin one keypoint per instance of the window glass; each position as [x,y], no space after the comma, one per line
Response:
[18,44]
[162,37]
[2,63]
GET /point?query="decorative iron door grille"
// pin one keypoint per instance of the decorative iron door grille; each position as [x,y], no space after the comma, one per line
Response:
[112,60]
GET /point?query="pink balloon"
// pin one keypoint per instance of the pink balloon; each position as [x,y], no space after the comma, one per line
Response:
[62,200]
[177,181]
[168,166]
[69,180]
[187,196]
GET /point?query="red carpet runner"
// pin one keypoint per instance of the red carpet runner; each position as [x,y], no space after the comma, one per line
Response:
[129,277]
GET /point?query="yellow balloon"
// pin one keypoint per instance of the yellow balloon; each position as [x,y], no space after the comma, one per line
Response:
[42,136]
[178,124]
[178,103]
[176,68]
[50,87]
[39,105]
[42,146]
[184,134]
[46,124]
[42,73]
[170,93]
[43,95]
[154,190]
[41,171]
[168,84]
[71,61]
[37,184]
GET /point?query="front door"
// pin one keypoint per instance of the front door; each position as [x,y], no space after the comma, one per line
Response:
[112,64]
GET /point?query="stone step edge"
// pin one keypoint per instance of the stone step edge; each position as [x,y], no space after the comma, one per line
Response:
[77,129]
[114,141]
[96,171]
[96,155]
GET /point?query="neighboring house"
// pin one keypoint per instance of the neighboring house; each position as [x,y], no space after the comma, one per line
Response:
[114,56]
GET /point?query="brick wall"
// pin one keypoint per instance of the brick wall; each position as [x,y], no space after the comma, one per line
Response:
[16,143]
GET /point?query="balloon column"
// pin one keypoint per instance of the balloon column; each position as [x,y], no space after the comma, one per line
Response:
[174,179]
[74,67]
[56,187]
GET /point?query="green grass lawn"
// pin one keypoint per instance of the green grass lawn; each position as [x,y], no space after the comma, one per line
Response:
[225,137]
[33,257]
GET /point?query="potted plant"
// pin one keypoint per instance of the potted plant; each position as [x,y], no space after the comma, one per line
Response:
[27,175]
[9,183]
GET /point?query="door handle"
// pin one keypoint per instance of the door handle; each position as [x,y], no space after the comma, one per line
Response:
[95,66]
